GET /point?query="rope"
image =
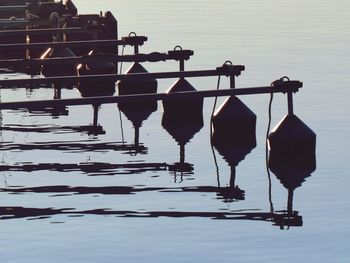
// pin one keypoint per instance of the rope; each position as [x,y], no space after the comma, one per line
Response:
[267,153]
[120,114]
[211,134]
[121,62]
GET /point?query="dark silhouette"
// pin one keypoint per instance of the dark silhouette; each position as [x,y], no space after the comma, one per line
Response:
[233,136]
[100,87]
[41,213]
[182,119]
[137,112]
[292,158]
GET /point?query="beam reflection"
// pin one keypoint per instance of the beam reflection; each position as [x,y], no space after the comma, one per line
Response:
[40,213]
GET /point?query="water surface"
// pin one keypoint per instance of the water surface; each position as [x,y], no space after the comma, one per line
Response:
[71,195]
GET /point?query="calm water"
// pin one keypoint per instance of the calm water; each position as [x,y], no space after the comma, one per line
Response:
[68,195]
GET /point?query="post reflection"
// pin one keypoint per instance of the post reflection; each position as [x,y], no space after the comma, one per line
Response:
[55,111]
[137,113]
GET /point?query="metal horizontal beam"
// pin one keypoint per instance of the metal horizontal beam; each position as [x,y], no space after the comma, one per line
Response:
[43,31]
[13,8]
[95,58]
[75,44]
[147,97]
[22,22]
[227,71]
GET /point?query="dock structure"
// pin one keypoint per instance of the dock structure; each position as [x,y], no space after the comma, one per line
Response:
[42,37]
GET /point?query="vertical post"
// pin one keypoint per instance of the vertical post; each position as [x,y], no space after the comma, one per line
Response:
[27,53]
[290,103]
[182,153]
[95,120]
[232,82]
[233,177]
[290,201]
[182,65]
[137,136]
[136,49]
[57,92]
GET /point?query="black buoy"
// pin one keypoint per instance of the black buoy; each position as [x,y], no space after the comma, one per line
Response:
[184,110]
[234,124]
[137,112]
[292,154]
[92,88]
[182,119]
[66,69]
[292,143]
[233,151]
[100,64]
[233,136]
[137,86]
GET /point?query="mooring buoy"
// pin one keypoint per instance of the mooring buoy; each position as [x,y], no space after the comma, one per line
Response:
[292,146]
[100,87]
[234,124]
[66,69]
[292,154]
[185,110]
[137,86]
[182,119]
[233,136]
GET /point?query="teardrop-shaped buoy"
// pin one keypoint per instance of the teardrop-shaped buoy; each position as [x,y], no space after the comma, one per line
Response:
[234,130]
[182,118]
[137,86]
[90,87]
[292,143]
[184,110]
[292,155]
[139,111]
[64,69]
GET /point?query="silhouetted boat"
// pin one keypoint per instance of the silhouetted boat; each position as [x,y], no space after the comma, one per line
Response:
[28,23]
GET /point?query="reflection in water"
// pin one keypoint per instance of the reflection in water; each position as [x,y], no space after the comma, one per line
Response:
[40,213]
[107,190]
[233,137]
[137,113]
[54,111]
[90,168]
[67,146]
[291,177]
[57,129]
